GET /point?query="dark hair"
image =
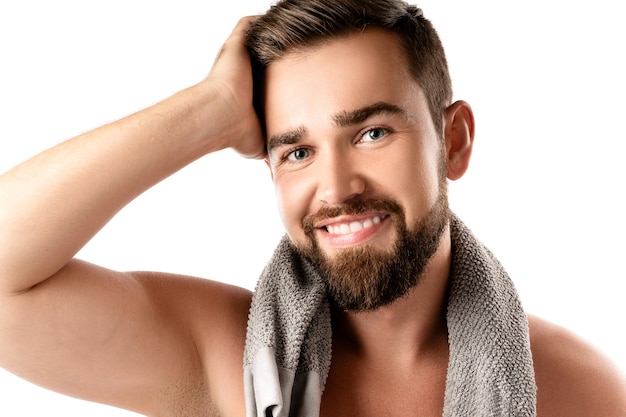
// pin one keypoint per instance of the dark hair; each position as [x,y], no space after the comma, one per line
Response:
[291,25]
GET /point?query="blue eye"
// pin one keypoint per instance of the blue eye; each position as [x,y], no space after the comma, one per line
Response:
[374,134]
[298,154]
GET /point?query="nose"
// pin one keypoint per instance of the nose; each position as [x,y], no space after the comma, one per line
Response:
[339,179]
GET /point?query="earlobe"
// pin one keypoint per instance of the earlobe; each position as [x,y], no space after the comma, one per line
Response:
[459,138]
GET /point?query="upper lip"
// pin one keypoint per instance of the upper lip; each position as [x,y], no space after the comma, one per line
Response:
[348,218]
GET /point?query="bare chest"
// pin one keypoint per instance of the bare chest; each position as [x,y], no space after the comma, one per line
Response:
[351,391]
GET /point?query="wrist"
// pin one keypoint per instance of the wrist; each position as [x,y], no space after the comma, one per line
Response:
[217,119]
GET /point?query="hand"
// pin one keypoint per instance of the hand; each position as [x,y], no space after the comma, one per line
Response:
[232,77]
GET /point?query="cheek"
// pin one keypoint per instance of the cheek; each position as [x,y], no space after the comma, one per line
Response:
[413,177]
[293,197]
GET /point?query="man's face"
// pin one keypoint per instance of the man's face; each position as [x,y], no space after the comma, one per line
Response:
[357,164]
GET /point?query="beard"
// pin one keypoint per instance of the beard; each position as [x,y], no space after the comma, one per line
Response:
[364,278]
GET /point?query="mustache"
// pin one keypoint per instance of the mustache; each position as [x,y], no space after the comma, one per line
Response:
[354,206]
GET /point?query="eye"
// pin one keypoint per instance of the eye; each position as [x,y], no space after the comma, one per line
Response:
[374,134]
[298,154]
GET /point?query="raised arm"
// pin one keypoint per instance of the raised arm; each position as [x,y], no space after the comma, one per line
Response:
[119,338]
[54,203]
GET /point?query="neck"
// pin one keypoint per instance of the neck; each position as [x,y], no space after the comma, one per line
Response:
[408,329]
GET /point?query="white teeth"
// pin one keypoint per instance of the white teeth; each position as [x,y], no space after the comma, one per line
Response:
[355,227]
[345,228]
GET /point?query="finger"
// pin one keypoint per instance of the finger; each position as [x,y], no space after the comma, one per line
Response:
[238,35]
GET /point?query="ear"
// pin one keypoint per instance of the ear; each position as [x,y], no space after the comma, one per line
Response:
[459,138]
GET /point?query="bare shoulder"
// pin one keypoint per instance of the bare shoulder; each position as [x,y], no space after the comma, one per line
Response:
[215,315]
[154,343]
[229,304]
[573,378]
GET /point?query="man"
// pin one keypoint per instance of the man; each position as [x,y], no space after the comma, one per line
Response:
[164,345]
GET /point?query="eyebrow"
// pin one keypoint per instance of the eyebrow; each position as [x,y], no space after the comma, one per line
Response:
[289,137]
[352,117]
[343,118]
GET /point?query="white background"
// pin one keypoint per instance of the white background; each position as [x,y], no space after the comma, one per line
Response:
[544,190]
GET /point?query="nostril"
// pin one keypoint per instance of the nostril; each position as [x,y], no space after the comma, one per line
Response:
[338,192]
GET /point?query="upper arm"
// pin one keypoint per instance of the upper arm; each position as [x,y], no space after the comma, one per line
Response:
[126,339]
[573,378]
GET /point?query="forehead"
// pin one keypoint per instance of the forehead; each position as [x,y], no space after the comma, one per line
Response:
[342,74]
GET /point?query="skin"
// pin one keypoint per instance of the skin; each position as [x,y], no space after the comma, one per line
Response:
[166,345]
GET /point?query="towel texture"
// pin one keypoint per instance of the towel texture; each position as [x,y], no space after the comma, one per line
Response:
[288,343]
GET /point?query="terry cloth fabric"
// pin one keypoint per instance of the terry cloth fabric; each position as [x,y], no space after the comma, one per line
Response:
[288,343]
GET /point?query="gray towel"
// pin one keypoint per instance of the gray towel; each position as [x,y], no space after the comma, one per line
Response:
[288,343]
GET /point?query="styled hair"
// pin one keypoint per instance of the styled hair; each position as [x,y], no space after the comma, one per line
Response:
[296,25]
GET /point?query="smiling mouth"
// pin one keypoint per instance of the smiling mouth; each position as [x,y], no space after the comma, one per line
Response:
[353,226]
